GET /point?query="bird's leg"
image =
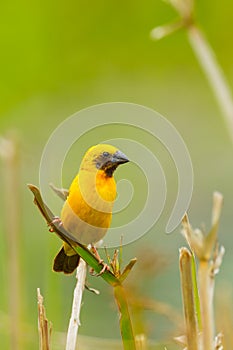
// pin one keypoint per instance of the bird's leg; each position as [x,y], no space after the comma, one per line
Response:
[95,252]
[56,220]
[101,261]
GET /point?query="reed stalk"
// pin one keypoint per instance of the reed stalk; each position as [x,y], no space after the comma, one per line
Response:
[188,299]
[44,328]
[204,55]
[76,307]
[9,152]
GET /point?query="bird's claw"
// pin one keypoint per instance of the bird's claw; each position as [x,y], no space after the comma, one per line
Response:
[104,268]
[56,220]
[100,261]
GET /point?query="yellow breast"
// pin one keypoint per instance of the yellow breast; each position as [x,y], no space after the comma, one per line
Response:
[87,212]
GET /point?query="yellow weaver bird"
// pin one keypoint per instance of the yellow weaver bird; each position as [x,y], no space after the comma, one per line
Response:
[87,211]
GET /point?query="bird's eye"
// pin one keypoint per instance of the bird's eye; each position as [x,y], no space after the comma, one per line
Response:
[105,154]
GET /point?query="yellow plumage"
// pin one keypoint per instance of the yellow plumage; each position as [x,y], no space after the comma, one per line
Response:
[87,212]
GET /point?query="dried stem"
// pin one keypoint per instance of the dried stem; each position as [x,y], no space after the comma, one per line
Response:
[204,55]
[43,326]
[209,265]
[206,290]
[141,342]
[210,255]
[188,298]
[76,307]
[214,74]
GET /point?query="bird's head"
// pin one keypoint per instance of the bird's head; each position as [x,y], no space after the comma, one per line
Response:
[103,157]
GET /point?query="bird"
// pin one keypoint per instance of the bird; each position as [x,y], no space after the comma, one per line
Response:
[87,211]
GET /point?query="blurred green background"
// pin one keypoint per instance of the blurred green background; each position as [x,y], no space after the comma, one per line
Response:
[59,57]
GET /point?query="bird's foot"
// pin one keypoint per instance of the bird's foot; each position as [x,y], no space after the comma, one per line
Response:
[56,220]
[95,252]
[100,261]
[104,268]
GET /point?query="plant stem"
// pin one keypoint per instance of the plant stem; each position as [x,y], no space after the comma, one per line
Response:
[188,299]
[206,288]
[76,307]
[196,293]
[43,326]
[125,323]
[10,155]
[214,74]
[141,342]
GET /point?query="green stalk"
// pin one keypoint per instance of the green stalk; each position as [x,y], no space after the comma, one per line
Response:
[125,324]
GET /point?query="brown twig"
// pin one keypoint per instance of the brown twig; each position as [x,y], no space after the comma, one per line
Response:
[44,327]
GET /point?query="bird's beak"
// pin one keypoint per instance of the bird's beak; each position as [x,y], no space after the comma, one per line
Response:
[119,158]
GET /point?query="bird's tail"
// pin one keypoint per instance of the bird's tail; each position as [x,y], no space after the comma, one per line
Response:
[65,263]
